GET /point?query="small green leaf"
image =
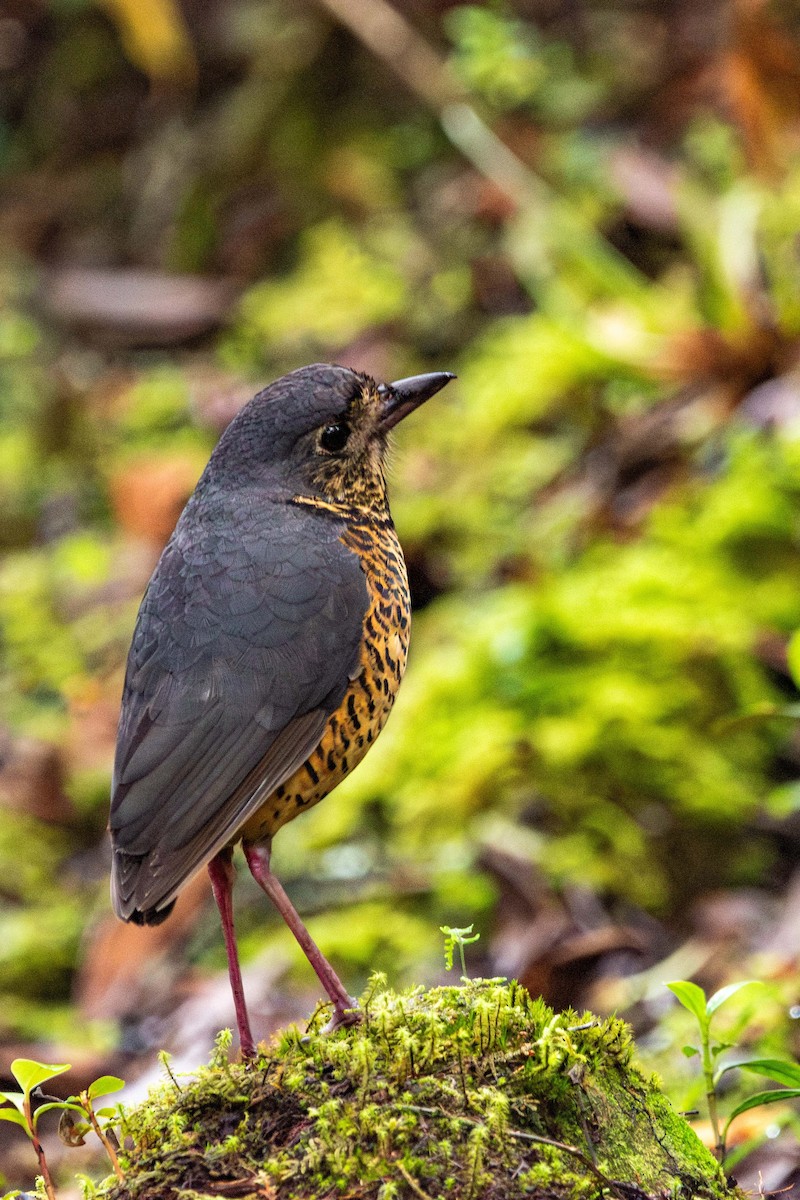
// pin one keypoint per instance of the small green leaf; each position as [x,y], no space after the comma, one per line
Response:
[689,1051]
[29,1073]
[63,1105]
[16,1118]
[725,993]
[108,1112]
[756,1101]
[105,1085]
[719,1047]
[772,1068]
[691,997]
[15,1098]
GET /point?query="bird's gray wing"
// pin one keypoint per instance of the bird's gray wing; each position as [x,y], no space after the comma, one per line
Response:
[247,638]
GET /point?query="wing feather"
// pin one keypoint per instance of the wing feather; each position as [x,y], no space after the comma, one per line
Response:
[245,643]
[141,883]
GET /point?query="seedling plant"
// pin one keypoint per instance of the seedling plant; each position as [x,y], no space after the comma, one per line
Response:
[460,938]
[100,1119]
[30,1075]
[703,1008]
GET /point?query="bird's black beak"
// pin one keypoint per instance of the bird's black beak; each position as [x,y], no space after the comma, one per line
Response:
[402,397]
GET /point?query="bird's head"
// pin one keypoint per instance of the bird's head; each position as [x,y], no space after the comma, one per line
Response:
[322,432]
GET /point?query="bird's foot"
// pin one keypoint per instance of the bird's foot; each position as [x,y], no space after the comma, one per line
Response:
[344,1015]
[247,1048]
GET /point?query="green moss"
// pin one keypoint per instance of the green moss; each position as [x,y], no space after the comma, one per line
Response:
[458,1091]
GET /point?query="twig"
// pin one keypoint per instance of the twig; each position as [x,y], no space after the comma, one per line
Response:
[390,37]
[412,1183]
[615,1186]
[109,1148]
[44,1170]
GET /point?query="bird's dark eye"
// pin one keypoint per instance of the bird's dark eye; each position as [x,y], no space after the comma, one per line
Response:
[334,437]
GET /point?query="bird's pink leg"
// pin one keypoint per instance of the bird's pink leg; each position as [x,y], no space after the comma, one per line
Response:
[223,872]
[345,1011]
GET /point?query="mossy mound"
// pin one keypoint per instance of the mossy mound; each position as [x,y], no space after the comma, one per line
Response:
[463,1092]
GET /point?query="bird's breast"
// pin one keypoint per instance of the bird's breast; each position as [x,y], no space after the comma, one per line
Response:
[369,697]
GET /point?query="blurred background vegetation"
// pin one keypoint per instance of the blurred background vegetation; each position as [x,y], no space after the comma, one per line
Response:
[588,209]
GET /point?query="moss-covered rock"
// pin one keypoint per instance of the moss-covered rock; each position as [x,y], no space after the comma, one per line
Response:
[464,1092]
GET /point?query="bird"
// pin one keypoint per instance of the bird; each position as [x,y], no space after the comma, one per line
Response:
[267,652]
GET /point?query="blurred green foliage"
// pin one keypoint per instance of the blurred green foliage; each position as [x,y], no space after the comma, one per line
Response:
[591,698]
[509,64]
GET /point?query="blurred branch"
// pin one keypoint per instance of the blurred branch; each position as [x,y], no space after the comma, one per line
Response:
[389,36]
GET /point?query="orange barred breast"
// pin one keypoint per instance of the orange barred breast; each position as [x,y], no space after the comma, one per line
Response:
[355,725]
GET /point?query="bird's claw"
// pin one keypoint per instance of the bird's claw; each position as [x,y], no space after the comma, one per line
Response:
[344,1015]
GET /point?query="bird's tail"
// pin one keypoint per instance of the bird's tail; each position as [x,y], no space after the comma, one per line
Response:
[152,916]
[124,877]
